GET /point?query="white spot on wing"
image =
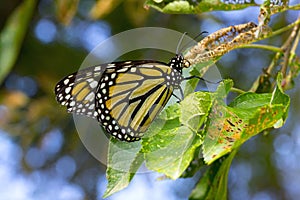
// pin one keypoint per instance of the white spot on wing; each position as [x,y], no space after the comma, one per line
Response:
[93,84]
[113,75]
[92,106]
[67,90]
[102,85]
[68,96]
[122,70]
[72,103]
[90,97]
[66,81]
[97,68]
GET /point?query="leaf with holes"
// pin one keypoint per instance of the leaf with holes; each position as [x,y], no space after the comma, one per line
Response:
[250,113]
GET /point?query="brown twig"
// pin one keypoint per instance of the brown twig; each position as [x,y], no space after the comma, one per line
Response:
[287,49]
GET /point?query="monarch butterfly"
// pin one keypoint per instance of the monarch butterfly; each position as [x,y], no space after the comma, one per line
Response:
[124,97]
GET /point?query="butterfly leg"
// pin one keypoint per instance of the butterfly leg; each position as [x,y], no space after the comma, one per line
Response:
[198,77]
[181,94]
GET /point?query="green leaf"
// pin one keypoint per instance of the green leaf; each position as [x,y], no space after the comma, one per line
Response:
[279,97]
[223,89]
[251,100]
[248,115]
[168,119]
[171,112]
[193,7]
[12,36]
[171,150]
[172,139]
[124,159]
[213,184]
[194,110]
[290,78]
[194,165]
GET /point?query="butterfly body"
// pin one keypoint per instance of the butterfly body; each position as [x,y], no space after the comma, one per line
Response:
[124,97]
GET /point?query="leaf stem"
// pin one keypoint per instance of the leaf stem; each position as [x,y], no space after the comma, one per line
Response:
[296,42]
[294,7]
[237,90]
[263,46]
[286,28]
[287,48]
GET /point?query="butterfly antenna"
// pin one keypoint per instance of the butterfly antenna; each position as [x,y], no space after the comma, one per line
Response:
[195,38]
[180,41]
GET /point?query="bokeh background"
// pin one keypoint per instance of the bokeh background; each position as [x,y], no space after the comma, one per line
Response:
[41,155]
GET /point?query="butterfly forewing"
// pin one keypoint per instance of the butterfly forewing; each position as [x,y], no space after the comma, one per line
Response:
[77,91]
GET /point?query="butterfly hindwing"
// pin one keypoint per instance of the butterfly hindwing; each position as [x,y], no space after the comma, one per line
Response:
[128,99]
